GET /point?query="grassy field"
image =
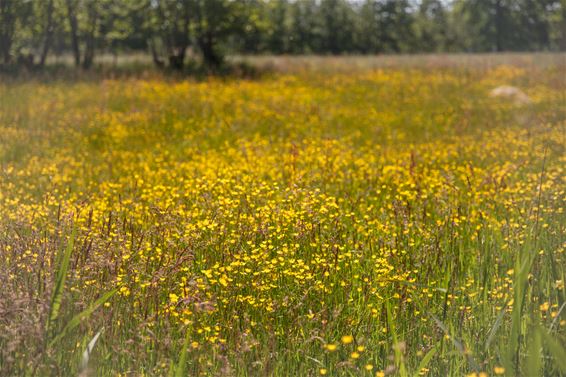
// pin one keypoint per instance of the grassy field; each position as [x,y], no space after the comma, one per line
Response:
[393,221]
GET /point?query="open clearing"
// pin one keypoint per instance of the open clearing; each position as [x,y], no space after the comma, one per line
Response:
[382,221]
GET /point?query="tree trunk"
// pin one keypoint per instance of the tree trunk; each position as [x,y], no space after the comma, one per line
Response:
[48,34]
[499,27]
[177,58]
[206,42]
[156,59]
[209,54]
[72,16]
[88,57]
[5,46]
[179,40]
[7,28]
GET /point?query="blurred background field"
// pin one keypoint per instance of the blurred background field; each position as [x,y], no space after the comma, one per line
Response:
[257,66]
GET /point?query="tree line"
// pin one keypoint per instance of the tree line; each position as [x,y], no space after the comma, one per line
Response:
[170,30]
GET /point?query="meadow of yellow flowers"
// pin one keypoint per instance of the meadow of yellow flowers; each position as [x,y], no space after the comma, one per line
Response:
[380,222]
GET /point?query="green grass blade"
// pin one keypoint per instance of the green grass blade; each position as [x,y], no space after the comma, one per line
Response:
[534,360]
[558,316]
[398,354]
[180,369]
[556,350]
[76,320]
[425,361]
[88,350]
[520,290]
[458,345]
[495,327]
[61,277]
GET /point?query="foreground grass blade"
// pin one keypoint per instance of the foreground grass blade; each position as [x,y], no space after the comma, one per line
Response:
[458,345]
[534,360]
[88,350]
[398,353]
[61,277]
[179,369]
[496,325]
[520,284]
[425,361]
[555,349]
[76,320]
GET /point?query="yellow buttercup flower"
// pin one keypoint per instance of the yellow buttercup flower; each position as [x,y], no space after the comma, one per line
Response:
[499,370]
[347,339]
[331,347]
